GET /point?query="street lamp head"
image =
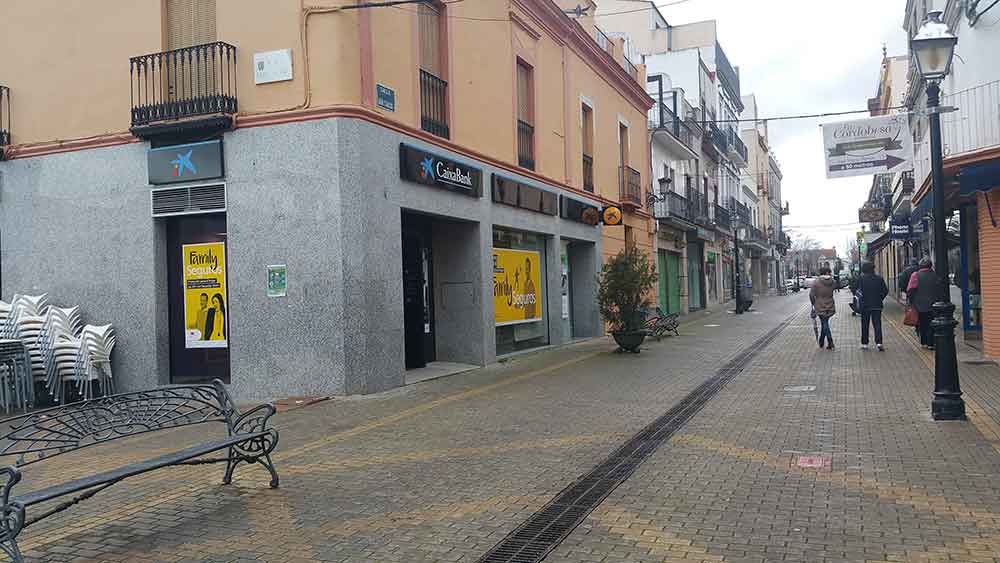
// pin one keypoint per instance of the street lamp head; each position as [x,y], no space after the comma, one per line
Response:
[933,47]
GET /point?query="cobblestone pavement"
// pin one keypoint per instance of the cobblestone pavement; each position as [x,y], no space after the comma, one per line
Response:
[443,470]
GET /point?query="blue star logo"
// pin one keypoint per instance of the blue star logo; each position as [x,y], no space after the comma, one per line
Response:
[427,167]
[182,162]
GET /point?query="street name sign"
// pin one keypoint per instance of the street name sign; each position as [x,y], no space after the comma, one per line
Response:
[868,146]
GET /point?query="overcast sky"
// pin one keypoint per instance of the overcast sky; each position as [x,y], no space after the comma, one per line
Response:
[806,57]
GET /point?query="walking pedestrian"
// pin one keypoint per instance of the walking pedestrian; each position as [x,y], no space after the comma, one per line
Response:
[922,291]
[821,297]
[904,277]
[871,292]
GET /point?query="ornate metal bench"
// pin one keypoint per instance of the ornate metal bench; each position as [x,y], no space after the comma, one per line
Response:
[661,323]
[44,434]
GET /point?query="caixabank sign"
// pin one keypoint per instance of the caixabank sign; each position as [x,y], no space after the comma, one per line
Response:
[186,163]
[430,169]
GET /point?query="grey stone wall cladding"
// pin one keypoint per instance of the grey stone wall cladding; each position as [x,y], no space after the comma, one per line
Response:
[77,226]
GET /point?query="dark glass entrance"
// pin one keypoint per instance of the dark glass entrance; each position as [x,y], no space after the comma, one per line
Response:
[194,364]
[418,295]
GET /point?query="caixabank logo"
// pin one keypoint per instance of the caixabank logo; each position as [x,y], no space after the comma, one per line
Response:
[432,170]
[189,162]
[182,163]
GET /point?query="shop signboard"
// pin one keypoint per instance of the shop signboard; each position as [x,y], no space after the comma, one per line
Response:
[517,286]
[516,194]
[576,210]
[430,169]
[864,147]
[901,230]
[185,163]
[870,214]
[205,297]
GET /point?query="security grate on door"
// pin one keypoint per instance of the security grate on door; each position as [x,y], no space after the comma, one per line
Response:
[188,200]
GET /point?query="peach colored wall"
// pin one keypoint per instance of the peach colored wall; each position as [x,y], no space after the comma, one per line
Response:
[67,68]
[76,83]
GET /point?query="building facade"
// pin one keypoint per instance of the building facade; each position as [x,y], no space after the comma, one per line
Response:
[971,146]
[347,207]
[697,68]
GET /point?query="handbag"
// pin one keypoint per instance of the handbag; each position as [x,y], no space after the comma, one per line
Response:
[911,318]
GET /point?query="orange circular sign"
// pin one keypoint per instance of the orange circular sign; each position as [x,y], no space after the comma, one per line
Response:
[611,215]
[590,216]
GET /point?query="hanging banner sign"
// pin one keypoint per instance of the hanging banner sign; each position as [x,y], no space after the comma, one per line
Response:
[205,297]
[517,286]
[901,230]
[868,146]
[869,214]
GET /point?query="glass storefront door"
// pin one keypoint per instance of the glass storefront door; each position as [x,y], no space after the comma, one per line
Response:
[519,290]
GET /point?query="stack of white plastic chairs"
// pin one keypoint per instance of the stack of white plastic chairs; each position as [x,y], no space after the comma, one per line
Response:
[85,361]
[60,322]
[29,316]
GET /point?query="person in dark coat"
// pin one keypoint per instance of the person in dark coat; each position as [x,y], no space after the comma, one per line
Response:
[871,292]
[921,293]
[821,297]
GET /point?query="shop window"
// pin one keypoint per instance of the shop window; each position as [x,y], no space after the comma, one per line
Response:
[519,290]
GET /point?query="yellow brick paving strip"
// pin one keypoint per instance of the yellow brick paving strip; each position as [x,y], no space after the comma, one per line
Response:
[659,543]
[430,455]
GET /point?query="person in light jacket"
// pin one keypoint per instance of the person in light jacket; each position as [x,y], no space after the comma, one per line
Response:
[821,297]
[872,291]
[921,292]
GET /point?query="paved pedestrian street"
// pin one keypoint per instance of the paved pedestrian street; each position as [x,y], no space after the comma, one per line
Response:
[803,455]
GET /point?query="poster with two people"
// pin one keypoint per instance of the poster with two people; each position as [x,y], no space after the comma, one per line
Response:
[205,295]
[517,283]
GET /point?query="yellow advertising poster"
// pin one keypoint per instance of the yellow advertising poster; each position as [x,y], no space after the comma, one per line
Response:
[205,295]
[517,286]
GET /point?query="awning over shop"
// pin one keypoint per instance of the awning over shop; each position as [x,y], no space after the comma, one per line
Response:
[877,244]
[979,177]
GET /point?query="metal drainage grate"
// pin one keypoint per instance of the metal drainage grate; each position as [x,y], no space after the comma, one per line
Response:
[544,530]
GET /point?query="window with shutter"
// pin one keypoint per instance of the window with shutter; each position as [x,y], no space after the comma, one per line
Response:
[189,22]
[430,39]
[525,117]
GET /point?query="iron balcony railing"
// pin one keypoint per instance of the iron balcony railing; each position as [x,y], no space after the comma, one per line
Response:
[631,186]
[603,41]
[588,173]
[672,205]
[630,68]
[738,212]
[698,208]
[181,83]
[434,105]
[4,117]
[719,139]
[722,219]
[662,117]
[737,145]
[907,182]
[975,125]
[726,71]
[525,145]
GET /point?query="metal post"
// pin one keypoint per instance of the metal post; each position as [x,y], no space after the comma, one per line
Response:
[737,290]
[947,403]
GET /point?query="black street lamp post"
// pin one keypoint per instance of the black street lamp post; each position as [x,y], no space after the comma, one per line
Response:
[933,48]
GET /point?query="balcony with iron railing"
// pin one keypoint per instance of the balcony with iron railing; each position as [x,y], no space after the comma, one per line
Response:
[525,145]
[726,71]
[603,41]
[975,125]
[434,105]
[630,184]
[722,218]
[739,213]
[737,149]
[4,118]
[189,88]
[663,119]
[588,173]
[719,140]
[672,205]
[698,208]
[630,68]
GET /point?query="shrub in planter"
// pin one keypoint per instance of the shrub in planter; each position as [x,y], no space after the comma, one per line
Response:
[625,281]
